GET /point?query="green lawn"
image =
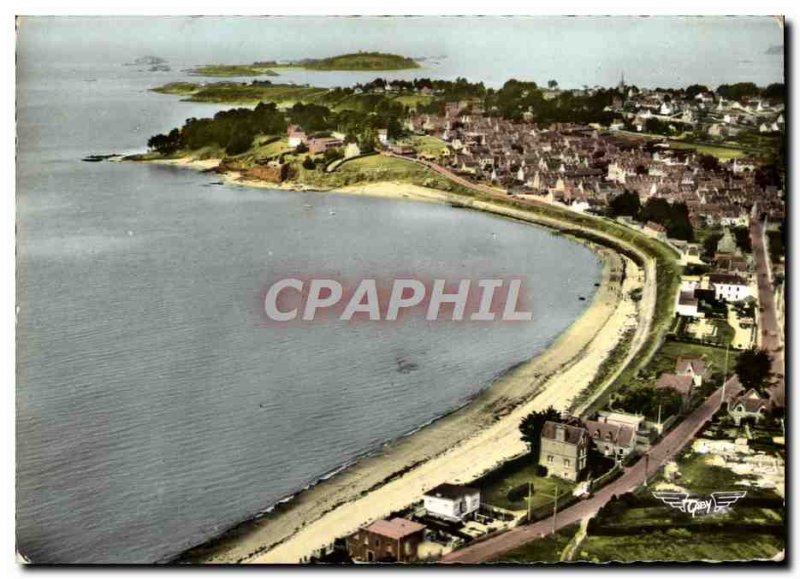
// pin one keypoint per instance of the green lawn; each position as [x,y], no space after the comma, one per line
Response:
[495,490]
[375,168]
[545,550]
[722,153]
[429,145]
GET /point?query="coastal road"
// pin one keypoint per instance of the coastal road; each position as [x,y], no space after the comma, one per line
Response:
[769,329]
[633,477]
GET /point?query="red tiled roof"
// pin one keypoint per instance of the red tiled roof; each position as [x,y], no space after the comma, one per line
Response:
[397,528]
[681,384]
[697,365]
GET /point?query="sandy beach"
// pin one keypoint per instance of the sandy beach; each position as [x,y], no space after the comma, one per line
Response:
[464,444]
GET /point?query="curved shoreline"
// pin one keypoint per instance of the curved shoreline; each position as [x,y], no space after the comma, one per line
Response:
[464,443]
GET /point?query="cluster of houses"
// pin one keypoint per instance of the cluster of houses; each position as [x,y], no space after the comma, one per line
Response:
[403,540]
[730,280]
[714,115]
[565,444]
[584,166]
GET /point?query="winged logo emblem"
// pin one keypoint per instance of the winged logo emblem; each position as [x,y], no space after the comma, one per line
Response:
[717,503]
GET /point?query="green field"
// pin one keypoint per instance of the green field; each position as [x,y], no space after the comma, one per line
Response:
[376,168]
[720,152]
[548,549]
[430,146]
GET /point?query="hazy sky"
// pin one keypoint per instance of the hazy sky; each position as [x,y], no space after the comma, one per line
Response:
[651,51]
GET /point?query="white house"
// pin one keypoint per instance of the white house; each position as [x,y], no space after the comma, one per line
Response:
[383,136]
[694,367]
[729,287]
[687,304]
[296,135]
[452,502]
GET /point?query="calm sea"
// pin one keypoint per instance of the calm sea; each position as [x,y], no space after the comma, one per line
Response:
[153,409]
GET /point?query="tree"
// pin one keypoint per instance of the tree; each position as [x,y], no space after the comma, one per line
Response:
[531,429]
[166,144]
[626,203]
[753,367]
[695,89]
[552,84]
[308,163]
[709,163]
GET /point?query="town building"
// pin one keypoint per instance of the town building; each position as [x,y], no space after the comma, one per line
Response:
[729,287]
[296,136]
[693,367]
[683,385]
[687,304]
[613,440]
[385,541]
[563,450]
[452,502]
[318,145]
[749,407]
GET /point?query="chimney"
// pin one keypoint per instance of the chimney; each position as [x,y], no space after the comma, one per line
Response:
[560,432]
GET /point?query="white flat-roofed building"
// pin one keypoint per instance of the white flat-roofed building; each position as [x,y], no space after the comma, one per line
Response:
[452,502]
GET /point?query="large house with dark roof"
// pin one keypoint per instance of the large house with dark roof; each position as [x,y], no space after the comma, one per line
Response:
[564,449]
[613,440]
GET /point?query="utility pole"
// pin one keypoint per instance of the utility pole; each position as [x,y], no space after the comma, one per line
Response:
[555,509]
[646,466]
[725,377]
[530,500]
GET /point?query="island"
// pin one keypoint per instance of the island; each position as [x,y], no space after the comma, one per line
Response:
[223,70]
[356,61]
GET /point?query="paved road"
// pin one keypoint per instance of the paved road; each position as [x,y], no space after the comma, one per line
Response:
[632,478]
[770,332]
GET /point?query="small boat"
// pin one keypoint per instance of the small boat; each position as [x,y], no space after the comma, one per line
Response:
[331,212]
